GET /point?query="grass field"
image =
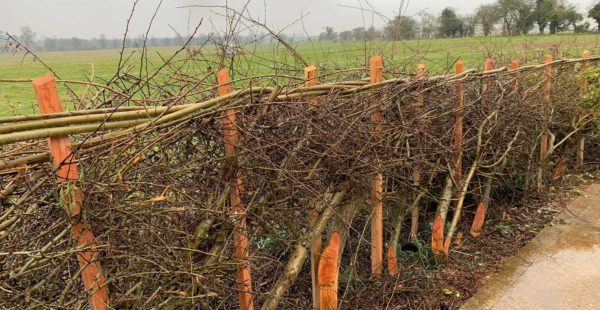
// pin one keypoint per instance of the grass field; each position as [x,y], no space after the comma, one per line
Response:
[437,54]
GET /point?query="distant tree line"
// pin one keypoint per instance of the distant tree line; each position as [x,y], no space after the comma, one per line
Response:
[507,17]
[30,39]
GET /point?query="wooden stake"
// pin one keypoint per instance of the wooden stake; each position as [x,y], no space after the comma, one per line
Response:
[414,217]
[310,78]
[478,220]
[514,66]
[63,161]
[458,125]
[547,93]
[458,142]
[583,90]
[546,101]
[437,236]
[376,71]
[477,224]
[489,66]
[328,274]
[240,238]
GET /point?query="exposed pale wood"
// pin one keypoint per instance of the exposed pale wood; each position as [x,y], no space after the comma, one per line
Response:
[328,274]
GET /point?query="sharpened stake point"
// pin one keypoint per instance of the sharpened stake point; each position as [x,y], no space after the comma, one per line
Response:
[478,221]
[437,235]
[328,274]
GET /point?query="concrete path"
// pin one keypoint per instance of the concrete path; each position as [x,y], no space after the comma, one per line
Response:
[558,269]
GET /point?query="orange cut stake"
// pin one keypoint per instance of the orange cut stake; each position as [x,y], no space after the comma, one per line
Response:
[240,238]
[420,101]
[458,140]
[310,80]
[63,161]
[437,235]
[479,219]
[514,66]
[310,76]
[489,66]
[458,125]
[328,274]
[376,71]
[446,246]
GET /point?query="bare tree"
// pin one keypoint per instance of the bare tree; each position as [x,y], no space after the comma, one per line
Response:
[328,34]
[102,42]
[27,36]
[518,16]
[487,16]
[428,25]
[401,28]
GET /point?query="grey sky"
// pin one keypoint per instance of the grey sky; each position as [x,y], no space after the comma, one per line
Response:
[90,18]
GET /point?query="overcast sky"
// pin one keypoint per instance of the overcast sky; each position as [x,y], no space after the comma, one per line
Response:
[90,18]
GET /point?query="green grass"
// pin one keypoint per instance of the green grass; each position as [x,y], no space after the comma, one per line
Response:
[438,54]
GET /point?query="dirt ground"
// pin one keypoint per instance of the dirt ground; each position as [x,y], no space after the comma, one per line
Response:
[425,284]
